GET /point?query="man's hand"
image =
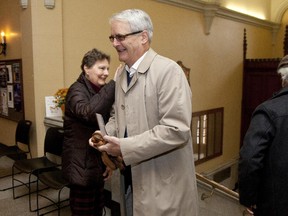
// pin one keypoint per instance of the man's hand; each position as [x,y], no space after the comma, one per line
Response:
[112,147]
[109,144]
[250,211]
[114,160]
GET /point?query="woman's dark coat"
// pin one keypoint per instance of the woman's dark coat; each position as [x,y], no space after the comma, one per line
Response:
[263,165]
[82,164]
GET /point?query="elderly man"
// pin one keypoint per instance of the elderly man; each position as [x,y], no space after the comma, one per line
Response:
[263,165]
[150,127]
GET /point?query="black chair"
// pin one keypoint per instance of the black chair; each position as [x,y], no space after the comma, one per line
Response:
[34,166]
[54,180]
[22,142]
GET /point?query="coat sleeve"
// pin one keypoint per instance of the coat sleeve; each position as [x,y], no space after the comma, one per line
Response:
[82,105]
[252,155]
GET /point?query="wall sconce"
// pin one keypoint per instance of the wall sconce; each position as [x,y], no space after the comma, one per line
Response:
[3,44]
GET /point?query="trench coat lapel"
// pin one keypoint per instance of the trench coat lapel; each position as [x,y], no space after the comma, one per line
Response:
[143,67]
[123,81]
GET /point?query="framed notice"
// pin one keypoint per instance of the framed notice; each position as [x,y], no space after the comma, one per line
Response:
[11,90]
[50,107]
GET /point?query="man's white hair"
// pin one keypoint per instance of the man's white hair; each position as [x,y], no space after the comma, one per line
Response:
[283,73]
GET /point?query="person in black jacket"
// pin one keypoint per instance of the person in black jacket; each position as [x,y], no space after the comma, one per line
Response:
[81,164]
[263,163]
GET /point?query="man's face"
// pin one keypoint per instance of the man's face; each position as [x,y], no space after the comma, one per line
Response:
[130,49]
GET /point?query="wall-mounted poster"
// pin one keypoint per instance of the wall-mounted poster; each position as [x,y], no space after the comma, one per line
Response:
[10,96]
[17,97]
[3,76]
[11,90]
[16,72]
[9,74]
[3,102]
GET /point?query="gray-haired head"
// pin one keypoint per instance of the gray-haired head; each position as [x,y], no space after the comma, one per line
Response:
[137,19]
[283,70]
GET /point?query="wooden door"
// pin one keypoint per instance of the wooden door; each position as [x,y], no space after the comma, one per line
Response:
[260,82]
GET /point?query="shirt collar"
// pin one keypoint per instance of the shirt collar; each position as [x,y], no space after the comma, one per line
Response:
[135,66]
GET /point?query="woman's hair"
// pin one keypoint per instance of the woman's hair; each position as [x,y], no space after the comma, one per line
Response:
[92,56]
[137,19]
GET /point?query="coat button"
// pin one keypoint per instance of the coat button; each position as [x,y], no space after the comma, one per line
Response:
[122,107]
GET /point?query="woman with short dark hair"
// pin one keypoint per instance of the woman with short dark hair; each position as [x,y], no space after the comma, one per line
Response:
[82,164]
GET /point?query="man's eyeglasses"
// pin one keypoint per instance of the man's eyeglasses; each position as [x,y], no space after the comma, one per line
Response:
[120,37]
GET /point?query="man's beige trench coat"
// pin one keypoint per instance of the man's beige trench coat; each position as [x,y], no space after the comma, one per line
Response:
[156,108]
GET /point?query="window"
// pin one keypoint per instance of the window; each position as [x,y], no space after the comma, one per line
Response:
[207,134]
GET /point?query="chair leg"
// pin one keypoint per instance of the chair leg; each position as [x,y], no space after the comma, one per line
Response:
[37,191]
[20,185]
[13,186]
[37,197]
[29,191]
[28,185]
[56,203]
[59,201]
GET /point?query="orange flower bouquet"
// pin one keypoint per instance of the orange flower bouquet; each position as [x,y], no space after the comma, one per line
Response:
[60,98]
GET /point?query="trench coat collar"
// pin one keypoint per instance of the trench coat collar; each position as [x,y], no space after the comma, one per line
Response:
[282,91]
[142,69]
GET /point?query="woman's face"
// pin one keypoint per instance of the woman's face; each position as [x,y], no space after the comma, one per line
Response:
[98,73]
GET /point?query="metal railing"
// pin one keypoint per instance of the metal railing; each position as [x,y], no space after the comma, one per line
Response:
[222,189]
[216,186]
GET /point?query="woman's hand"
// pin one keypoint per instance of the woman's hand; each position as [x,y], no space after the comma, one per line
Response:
[92,144]
[96,140]
[107,174]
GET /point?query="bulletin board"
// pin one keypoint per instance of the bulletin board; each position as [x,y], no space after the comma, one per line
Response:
[11,90]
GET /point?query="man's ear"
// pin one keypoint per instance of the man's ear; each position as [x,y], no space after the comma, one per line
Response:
[145,38]
[284,83]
